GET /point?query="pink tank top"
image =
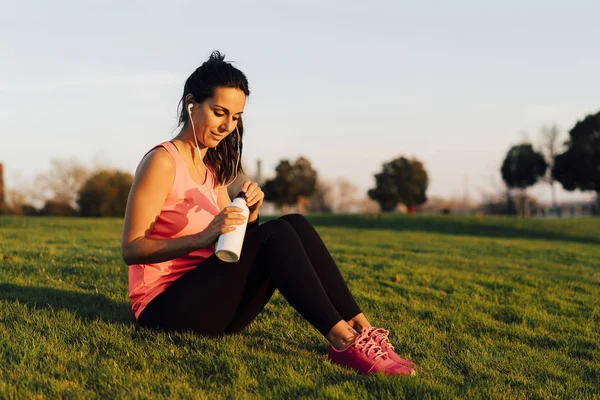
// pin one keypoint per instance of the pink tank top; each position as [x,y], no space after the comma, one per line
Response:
[188,209]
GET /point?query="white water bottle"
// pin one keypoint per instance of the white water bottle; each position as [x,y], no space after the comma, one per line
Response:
[229,245]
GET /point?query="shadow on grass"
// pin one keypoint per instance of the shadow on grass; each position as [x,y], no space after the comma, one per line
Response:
[468,226]
[84,305]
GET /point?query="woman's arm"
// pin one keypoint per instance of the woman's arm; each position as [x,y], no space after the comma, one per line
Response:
[151,185]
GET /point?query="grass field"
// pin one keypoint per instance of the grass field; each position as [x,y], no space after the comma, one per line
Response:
[487,308]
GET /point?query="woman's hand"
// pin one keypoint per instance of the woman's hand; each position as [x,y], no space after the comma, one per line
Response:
[254,197]
[224,222]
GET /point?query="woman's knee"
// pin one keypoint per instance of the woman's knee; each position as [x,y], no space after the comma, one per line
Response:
[295,219]
[281,231]
[280,225]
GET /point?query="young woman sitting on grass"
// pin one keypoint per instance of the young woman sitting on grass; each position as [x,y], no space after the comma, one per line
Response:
[178,207]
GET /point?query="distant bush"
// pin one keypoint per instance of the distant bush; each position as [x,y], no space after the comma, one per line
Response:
[4,209]
[57,209]
[29,210]
[499,205]
[105,194]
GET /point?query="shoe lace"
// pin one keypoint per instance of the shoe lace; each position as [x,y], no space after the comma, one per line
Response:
[365,344]
[380,336]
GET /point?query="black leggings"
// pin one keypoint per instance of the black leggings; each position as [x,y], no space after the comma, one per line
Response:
[218,298]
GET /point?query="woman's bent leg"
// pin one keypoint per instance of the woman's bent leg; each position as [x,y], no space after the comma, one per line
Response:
[325,267]
[294,276]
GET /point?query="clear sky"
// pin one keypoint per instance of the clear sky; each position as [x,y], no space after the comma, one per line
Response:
[349,85]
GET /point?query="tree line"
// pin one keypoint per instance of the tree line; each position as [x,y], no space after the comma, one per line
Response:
[69,189]
[401,180]
[577,167]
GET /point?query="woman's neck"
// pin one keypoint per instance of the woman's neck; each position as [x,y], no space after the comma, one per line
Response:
[186,138]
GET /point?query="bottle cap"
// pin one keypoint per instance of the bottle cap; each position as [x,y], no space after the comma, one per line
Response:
[241,195]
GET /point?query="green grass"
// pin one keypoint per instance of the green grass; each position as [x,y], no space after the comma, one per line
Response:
[487,307]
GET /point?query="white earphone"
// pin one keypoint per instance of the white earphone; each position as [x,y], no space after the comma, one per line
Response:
[190,106]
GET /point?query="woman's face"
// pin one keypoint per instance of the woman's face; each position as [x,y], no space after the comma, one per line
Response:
[217,116]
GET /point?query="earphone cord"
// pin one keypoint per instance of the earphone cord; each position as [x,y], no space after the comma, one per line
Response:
[202,161]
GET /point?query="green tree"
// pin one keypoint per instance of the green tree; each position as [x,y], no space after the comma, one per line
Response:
[105,194]
[579,166]
[293,183]
[522,168]
[402,180]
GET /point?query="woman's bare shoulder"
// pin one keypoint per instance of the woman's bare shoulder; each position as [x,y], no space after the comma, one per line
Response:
[157,159]
[157,168]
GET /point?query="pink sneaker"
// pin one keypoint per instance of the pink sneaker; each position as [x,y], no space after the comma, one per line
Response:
[380,336]
[366,357]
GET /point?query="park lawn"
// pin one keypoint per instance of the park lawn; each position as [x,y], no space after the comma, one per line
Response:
[487,307]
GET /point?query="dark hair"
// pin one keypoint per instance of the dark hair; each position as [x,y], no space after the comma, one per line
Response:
[213,73]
